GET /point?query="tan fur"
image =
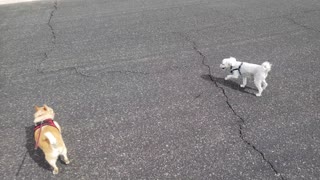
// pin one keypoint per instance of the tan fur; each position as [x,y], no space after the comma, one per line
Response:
[51,151]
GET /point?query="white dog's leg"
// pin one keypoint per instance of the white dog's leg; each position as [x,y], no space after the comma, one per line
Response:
[244,83]
[258,85]
[264,84]
[235,76]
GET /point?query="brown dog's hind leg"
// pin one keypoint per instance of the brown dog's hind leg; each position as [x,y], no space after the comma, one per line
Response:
[52,161]
[65,157]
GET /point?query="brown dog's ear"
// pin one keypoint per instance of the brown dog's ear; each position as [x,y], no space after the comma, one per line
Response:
[45,107]
[36,108]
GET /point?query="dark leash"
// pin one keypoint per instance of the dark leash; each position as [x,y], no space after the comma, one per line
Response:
[37,142]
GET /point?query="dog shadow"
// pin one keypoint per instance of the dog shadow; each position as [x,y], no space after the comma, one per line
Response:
[36,155]
[227,83]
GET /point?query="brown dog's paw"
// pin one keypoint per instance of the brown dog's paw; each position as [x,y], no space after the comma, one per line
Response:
[55,171]
[67,162]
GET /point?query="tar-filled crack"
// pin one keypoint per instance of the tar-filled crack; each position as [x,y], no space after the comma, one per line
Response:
[242,121]
[55,7]
[53,35]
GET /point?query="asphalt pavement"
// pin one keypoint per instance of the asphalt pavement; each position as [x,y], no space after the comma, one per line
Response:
[137,88]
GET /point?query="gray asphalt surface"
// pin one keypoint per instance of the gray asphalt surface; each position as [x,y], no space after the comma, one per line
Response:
[137,88]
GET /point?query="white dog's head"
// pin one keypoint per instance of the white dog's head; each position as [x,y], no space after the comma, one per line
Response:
[228,63]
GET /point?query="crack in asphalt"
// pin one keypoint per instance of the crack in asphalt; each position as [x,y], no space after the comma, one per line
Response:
[53,41]
[241,124]
[291,18]
[22,163]
[127,72]
[75,69]
[55,8]
[302,25]
[53,35]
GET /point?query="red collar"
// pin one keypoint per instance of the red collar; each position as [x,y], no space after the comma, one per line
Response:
[47,122]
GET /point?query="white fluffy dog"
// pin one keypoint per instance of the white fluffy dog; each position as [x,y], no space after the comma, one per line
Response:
[237,68]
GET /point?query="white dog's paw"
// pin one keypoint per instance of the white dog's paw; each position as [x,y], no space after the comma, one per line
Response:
[226,78]
[265,86]
[258,94]
[242,85]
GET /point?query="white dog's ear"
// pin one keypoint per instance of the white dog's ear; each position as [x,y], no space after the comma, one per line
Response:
[232,61]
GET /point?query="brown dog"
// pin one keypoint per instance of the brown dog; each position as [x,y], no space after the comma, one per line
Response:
[47,135]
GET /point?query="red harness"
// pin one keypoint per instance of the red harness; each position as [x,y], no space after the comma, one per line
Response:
[47,122]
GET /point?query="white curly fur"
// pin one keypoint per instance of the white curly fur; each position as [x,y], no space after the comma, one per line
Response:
[259,72]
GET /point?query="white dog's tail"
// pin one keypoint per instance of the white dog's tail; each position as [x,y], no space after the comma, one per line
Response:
[51,138]
[267,66]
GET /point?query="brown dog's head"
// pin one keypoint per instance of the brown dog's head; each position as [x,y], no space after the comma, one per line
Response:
[42,113]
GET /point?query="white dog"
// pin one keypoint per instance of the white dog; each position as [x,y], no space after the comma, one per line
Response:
[259,72]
